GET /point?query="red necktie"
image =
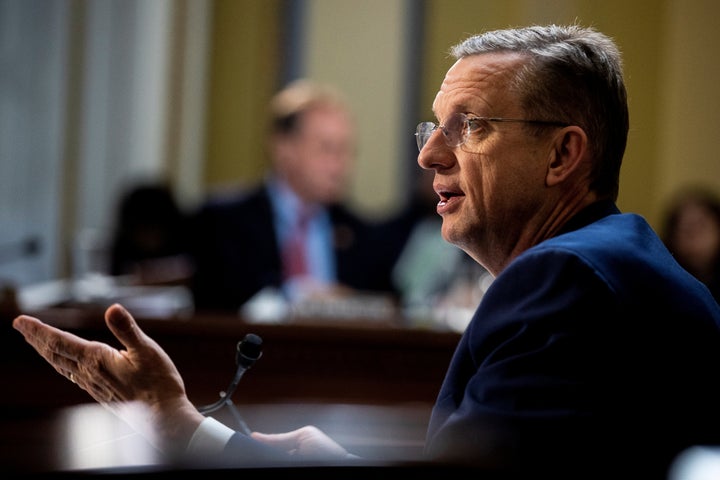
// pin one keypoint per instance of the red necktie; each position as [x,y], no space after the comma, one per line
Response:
[294,255]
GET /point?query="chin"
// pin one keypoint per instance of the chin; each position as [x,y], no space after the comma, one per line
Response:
[448,234]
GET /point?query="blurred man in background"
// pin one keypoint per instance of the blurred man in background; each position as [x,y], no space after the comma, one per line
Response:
[293,233]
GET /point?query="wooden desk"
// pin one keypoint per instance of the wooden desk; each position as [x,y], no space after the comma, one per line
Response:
[335,362]
[86,441]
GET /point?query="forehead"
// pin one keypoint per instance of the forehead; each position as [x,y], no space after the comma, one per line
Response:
[477,83]
[326,114]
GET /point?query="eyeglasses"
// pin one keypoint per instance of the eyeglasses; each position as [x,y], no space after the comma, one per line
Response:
[458,126]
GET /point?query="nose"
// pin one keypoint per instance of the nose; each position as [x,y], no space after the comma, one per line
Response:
[435,154]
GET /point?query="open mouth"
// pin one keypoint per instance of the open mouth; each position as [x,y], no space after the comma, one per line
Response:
[446,195]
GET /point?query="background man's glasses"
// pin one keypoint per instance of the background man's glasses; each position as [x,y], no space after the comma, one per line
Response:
[458,126]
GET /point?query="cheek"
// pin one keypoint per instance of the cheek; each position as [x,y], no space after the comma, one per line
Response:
[523,171]
[339,164]
[331,172]
[498,185]
[479,185]
[484,177]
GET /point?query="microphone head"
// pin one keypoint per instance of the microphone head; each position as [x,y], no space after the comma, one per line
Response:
[249,349]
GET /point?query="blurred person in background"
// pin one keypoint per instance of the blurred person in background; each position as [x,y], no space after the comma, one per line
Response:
[249,242]
[150,242]
[691,231]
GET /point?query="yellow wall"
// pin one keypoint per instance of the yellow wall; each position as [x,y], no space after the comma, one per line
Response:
[243,76]
[689,101]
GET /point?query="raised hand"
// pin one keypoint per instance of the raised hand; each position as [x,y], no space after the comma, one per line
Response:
[140,383]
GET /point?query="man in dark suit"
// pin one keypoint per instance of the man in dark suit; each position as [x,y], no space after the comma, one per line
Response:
[593,354]
[241,239]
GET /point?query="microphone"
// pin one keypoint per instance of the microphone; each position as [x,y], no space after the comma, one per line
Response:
[249,349]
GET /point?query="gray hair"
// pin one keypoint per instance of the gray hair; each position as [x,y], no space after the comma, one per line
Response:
[574,75]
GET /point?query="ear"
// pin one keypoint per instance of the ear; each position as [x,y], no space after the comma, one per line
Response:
[569,152]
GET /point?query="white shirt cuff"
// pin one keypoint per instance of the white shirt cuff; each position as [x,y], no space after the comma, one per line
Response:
[210,438]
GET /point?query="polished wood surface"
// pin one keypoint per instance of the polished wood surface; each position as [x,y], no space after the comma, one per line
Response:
[87,437]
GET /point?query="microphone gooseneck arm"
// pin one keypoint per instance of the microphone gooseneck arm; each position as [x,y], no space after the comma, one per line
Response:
[248,351]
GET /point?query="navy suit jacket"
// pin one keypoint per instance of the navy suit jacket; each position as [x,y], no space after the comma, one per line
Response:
[593,354]
[236,251]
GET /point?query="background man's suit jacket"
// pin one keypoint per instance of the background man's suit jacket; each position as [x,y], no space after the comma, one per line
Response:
[236,251]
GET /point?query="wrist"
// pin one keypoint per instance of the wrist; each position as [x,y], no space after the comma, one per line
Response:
[176,425]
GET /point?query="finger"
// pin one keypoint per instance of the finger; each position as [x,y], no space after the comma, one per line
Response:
[285,441]
[59,348]
[124,327]
[28,326]
[51,342]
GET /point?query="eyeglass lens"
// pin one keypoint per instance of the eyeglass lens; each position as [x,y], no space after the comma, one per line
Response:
[454,130]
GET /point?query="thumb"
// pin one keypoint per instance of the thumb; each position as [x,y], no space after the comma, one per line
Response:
[124,326]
